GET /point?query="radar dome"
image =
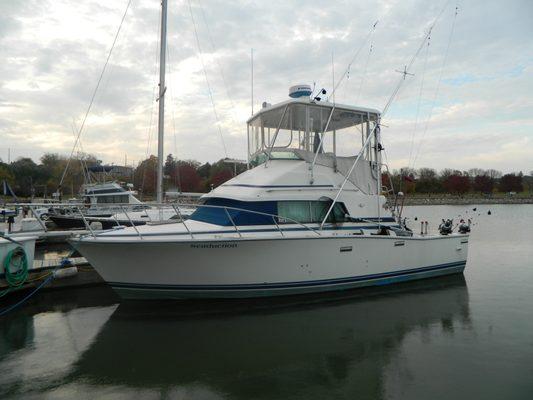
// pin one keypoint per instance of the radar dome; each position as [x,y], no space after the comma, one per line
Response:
[297,91]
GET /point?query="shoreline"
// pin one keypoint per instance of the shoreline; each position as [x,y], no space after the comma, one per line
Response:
[459,200]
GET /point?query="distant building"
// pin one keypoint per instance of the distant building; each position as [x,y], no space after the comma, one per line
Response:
[115,171]
[122,171]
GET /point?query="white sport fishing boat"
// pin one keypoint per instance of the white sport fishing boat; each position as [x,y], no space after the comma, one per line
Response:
[302,219]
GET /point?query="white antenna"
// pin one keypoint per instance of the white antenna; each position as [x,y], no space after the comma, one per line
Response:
[333,75]
[252,77]
[353,59]
[404,72]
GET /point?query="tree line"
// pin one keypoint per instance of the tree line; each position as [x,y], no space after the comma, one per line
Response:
[475,180]
[28,178]
[184,175]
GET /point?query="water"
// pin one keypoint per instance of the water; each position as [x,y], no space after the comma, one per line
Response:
[458,337]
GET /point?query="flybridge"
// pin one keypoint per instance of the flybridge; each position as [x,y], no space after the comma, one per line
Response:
[305,125]
[304,113]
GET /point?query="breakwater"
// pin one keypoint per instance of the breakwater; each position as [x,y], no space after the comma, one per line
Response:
[435,200]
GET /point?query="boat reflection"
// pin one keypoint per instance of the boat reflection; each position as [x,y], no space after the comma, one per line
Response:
[270,348]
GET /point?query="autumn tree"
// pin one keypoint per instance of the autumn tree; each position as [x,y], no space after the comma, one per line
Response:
[187,176]
[145,177]
[483,184]
[457,182]
[427,181]
[511,183]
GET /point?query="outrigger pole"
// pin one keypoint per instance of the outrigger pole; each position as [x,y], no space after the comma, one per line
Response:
[375,130]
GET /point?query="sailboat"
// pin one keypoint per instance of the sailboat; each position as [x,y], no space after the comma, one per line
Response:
[303,218]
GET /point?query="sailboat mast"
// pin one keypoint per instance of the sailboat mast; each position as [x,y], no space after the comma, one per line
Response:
[162,89]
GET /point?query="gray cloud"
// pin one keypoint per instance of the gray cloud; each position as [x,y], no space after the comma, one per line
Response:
[54,53]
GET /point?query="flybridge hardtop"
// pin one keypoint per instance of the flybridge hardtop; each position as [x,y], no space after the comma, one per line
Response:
[345,116]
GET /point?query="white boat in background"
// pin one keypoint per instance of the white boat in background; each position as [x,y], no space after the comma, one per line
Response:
[106,204]
[302,219]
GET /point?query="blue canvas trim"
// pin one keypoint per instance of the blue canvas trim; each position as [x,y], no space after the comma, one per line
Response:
[219,216]
[299,284]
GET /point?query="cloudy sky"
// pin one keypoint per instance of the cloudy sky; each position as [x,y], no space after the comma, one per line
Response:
[479,97]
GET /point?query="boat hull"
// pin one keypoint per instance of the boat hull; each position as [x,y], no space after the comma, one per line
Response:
[269,267]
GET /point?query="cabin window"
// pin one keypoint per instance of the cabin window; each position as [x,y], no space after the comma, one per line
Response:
[310,211]
[259,212]
[112,199]
[218,215]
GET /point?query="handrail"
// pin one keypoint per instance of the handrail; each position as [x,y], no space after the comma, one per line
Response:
[233,223]
[116,220]
[226,208]
[273,141]
[38,219]
[178,212]
[262,213]
[85,222]
[277,226]
[126,212]
[131,222]
[320,145]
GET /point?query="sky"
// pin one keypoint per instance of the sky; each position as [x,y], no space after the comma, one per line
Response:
[468,104]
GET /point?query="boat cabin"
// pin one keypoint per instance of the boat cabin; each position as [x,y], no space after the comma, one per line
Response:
[301,152]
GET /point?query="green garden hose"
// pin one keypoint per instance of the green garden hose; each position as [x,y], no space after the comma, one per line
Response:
[15,269]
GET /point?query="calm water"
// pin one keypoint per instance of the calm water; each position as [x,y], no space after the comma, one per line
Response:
[459,337]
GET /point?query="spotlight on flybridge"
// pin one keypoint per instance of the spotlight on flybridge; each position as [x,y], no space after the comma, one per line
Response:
[297,91]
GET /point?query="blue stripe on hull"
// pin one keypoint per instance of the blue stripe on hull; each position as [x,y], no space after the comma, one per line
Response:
[130,290]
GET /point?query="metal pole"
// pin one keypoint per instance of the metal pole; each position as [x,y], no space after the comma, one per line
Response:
[162,89]
[333,76]
[177,209]
[252,77]
[233,223]
[320,146]
[131,222]
[378,166]
[248,144]
[276,134]
[39,220]
[87,225]
[277,226]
